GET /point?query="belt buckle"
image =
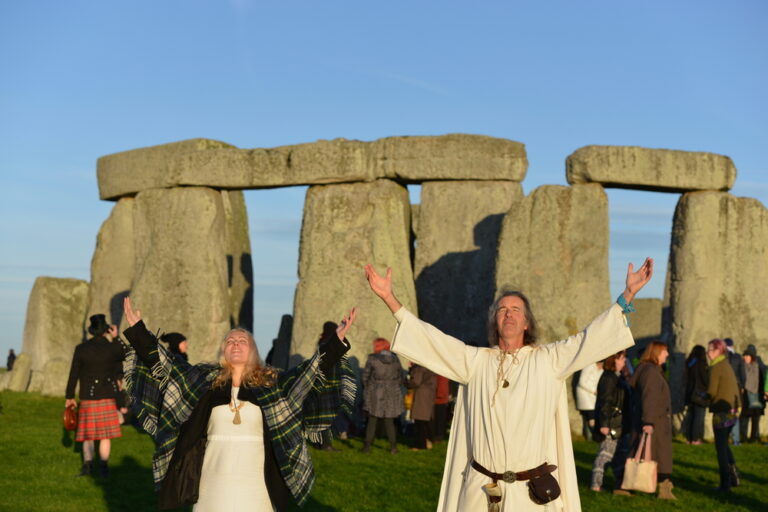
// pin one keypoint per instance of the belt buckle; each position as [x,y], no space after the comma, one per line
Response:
[509,477]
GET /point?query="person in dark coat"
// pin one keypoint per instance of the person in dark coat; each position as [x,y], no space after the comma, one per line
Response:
[232,435]
[382,393]
[424,384]
[613,422]
[11,359]
[696,393]
[723,396]
[654,416]
[177,344]
[737,364]
[752,398]
[97,365]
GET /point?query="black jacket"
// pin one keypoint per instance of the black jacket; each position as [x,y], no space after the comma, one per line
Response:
[696,383]
[98,364]
[613,406]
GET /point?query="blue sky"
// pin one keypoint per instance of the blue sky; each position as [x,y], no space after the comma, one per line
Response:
[84,79]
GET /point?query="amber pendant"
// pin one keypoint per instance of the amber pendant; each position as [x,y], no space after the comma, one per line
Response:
[236,421]
[506,384]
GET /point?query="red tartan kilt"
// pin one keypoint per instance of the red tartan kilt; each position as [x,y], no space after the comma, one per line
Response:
[97,419]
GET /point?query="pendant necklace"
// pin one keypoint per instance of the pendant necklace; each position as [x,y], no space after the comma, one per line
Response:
[501,373]
[235,408]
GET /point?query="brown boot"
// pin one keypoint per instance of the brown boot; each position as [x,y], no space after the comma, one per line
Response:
[665,490]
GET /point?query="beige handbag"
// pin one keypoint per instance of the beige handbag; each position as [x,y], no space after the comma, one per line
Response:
[640,473]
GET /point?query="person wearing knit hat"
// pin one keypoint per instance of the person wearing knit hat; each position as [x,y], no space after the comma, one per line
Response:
[753,399]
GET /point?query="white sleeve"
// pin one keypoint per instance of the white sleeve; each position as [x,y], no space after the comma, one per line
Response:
[431,348]
[606,335]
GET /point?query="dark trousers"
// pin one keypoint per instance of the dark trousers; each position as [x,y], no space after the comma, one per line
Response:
[439,417]
[389,428]
[695,427]
[724,456]
[587,422]
[751,416]
[423,432]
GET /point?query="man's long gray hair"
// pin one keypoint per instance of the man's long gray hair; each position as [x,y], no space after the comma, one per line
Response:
[531,333]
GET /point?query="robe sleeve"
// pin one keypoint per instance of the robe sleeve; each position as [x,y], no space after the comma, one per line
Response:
[431,348]
[605,335]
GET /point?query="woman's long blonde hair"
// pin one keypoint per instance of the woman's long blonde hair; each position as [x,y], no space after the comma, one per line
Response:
[256,374]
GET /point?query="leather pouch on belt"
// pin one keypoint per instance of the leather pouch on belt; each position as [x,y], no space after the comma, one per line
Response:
[543,489]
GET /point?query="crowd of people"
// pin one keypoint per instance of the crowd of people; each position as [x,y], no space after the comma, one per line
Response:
[204,417]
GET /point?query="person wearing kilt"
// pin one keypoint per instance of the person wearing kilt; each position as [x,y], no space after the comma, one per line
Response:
[98,366]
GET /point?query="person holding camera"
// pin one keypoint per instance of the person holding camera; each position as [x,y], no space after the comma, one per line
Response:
[613,424]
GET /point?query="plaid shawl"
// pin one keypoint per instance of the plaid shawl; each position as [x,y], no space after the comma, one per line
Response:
[302,405]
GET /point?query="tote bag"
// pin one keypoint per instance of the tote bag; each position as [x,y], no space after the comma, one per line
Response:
[640,471]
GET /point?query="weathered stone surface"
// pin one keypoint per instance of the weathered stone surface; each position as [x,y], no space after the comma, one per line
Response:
[112,265]
[55,377]
[203,162]
[181,281]
[719,267]
[21,373]
[450,157]
[456,242]
[239,264]
[554,247]
[652,169]
[345,227]
[5,379]
[281,346]
[645,323]
[54,323]
[128,172]
[35,382]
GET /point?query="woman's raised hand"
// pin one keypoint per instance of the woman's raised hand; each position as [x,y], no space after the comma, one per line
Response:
[346,323]
[131,316]
[382,286]
[636,280]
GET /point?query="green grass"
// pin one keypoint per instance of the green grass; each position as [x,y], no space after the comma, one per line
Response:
[39,461]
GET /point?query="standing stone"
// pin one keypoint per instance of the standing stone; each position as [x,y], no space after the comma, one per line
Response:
[181,280]
[719,271]
[554,248]
[662,170]
[456,242]
[239,261]
[345,227]
[5,379]
[112,266]
[645,323]
[281,346]
[35,382]
[21,373]
[55,377]
[54,323]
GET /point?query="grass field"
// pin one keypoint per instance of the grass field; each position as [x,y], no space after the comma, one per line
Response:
[39,461]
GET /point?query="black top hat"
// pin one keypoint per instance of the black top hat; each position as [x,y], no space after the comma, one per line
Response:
[751,351]
[98,325]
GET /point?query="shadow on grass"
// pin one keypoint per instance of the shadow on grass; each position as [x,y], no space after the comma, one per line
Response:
[129,487]
[312,505]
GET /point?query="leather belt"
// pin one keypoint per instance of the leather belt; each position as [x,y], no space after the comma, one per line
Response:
[511,476]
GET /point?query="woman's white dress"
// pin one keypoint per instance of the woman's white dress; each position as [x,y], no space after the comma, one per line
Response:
[233,468]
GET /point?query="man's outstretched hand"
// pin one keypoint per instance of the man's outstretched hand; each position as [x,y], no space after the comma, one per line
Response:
[636,280]
[382,286]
